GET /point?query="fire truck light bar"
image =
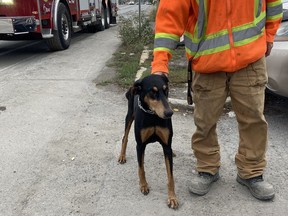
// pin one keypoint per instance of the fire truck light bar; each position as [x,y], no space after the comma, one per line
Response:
[6,2]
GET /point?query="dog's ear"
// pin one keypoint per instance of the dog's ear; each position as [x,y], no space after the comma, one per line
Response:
[137,87]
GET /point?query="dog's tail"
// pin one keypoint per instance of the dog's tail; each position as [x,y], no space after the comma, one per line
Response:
[130,95]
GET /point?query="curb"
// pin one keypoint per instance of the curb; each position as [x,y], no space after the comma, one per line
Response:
[181,102]
[143,58]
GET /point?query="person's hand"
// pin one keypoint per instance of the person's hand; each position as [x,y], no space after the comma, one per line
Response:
[269,48]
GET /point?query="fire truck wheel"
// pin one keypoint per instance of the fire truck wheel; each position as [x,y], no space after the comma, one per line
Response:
[92,28]
[62,36]
[100,26]
[107,16]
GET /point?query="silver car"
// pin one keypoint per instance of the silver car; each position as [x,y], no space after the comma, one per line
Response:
[277,62]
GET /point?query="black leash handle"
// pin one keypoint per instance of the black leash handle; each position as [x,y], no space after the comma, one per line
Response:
[189,80]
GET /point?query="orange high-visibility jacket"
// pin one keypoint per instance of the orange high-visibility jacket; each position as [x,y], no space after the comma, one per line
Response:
[220,35]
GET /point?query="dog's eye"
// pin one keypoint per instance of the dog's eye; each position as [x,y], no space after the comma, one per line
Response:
[154,93]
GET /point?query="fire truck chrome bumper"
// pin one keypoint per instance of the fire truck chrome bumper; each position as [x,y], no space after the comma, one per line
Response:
[17,25]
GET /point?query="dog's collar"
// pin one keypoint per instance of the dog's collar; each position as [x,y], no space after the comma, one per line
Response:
[145,110]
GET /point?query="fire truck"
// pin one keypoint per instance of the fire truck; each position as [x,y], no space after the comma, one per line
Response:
[54,20]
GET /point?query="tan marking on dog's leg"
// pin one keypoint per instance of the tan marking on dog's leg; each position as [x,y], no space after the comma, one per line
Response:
[122,156]
[163,134]
[144,188]
[172,199]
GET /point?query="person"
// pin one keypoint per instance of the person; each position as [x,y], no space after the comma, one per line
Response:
[227,42]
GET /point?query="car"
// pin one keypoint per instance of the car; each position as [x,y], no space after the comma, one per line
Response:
[277,62]
[131,3]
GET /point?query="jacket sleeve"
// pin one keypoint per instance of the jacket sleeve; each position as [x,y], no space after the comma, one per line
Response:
[274,13]
[171,20]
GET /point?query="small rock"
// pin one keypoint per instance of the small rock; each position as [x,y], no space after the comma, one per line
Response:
[231,114]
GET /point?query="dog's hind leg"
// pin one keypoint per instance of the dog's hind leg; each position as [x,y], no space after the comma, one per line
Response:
[144,188]
[172,199]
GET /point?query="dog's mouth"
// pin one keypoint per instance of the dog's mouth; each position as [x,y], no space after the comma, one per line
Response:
[164,114]
[168,114]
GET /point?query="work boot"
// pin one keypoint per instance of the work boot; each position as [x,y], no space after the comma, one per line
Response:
[259,188]
[201,184]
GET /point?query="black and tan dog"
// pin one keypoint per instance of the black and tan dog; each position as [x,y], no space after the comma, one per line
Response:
[148,106]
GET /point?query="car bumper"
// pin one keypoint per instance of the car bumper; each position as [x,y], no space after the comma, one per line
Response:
[277,64]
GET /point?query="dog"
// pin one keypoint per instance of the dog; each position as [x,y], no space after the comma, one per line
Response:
[148,107]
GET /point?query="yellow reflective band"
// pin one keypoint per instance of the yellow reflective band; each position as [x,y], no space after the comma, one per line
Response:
[212,51]
[273,4]
[190,52]
[256,7]
[165,42]
[191,37]
[251,24]
[163,49]
[278,16]
[248,40]
[165,35]
[217,34]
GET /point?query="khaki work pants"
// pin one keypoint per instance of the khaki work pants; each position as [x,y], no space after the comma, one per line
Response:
[246,88]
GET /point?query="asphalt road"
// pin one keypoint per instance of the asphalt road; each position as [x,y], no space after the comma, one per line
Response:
[61,131]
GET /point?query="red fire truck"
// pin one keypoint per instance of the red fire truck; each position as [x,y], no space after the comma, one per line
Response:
[54,20]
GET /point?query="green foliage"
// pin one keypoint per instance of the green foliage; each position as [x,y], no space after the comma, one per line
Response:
[126,63]
[130,32]
[126,59]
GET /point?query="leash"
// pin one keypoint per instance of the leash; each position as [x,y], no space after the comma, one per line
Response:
[189,80]
[142,108]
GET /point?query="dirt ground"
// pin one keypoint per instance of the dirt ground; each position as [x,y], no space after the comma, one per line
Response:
[121,191]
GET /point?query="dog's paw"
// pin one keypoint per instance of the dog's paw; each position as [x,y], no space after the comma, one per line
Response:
[144,189]
[122,159]
[173,203]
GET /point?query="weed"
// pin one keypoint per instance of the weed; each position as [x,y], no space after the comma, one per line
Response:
[131,33]
[126,59]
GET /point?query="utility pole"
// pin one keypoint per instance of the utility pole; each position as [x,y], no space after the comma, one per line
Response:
[139,18]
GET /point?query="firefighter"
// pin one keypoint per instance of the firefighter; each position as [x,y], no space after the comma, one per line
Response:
[227,42]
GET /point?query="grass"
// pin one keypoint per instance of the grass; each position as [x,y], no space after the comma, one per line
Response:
[126,64]
[126,59]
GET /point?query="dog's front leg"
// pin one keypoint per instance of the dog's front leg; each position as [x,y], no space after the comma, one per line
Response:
[128,123]
[172,199]
[144,188]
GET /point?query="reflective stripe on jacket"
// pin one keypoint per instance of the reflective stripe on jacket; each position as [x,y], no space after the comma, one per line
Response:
[220,35]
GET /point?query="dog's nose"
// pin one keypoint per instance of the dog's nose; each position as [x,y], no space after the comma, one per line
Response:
[168,113]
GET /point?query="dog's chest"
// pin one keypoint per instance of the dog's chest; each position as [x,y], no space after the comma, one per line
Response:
[156,133]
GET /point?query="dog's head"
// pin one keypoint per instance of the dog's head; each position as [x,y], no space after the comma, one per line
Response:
[153,94]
